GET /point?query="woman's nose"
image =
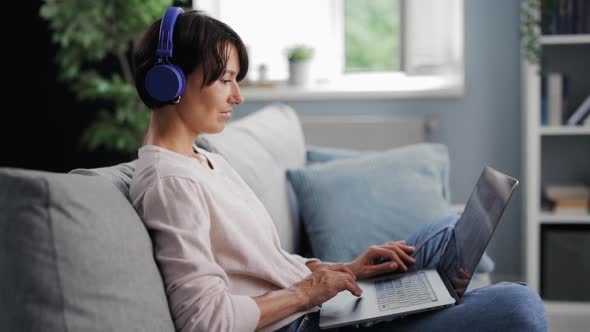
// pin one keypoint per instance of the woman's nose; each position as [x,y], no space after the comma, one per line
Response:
[236,98]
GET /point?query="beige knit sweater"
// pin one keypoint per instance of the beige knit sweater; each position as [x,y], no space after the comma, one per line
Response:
[214,242]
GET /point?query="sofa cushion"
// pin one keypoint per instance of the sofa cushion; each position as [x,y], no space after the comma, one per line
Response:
[120,175]
[322,154]
[75,256]
[352,203]
[260,147]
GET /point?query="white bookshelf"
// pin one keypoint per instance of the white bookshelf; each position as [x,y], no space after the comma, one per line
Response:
[563,315]
[532,171]
[564,130]
[533,138]
[565,39]
[552,218]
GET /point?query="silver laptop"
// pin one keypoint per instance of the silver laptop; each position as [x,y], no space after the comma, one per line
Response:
[396,295]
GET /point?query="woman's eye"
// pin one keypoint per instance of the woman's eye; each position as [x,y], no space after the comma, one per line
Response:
[225,81]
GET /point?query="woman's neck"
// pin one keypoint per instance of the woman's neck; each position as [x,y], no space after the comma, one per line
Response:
[166,131]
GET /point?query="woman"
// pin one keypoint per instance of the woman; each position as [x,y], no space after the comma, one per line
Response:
[215,244]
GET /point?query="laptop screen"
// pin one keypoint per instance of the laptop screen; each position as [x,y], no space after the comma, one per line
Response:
[474,229]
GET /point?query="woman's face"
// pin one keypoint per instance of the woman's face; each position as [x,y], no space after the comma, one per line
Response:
[207,109]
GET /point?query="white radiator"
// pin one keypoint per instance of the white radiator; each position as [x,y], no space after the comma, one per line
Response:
[364,132]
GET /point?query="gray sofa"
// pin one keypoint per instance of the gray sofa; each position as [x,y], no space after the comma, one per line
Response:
[74,255]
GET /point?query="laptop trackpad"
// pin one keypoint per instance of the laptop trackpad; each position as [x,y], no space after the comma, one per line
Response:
[345,308]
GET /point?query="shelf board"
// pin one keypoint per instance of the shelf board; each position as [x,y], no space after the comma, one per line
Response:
[567,307]
[564,130]
[565,39]
[552,218]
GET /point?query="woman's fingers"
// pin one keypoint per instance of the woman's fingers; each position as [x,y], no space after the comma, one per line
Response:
[391,254]
[383,268]
[386,258]
[344,268]
[401,244]
[345,281]
[403,255]
[353,288]
[406,248]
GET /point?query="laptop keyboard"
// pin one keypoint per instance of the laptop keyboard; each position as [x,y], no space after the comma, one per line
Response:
[404,291]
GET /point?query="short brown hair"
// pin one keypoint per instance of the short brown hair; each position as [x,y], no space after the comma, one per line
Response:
[199,40]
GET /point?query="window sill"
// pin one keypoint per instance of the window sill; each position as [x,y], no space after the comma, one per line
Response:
[396,86]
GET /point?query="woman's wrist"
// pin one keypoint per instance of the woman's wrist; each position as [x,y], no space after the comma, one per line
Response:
[353,267]
[302,300]
[314,264]
[278,304]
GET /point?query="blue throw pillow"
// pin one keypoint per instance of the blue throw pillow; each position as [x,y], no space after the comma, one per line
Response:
[352,203]
[320,154]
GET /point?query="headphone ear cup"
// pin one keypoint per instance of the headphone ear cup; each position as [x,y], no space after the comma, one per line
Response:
[165,82]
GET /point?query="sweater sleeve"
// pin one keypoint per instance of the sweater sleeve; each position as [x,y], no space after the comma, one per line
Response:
[177,217]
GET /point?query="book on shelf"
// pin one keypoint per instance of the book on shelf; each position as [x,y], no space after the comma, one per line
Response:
[581,114]
[559,191]
[571,206]
[568,199]
[554,99]
[565,17]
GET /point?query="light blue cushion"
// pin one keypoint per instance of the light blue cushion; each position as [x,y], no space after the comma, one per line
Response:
[352,203]
[321,154]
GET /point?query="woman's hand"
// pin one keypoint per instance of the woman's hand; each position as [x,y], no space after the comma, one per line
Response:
[324,283]
[381,259]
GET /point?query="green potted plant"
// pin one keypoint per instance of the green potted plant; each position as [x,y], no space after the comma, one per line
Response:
[95,40]
[530,30]
[299,57]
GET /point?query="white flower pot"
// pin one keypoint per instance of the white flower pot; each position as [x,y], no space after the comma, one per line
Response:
[300,72]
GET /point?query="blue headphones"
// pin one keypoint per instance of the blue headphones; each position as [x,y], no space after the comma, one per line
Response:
[166,81]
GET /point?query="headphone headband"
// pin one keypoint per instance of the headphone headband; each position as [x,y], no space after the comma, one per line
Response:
[166,29]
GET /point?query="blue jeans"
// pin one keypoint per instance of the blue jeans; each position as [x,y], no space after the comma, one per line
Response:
[501,307]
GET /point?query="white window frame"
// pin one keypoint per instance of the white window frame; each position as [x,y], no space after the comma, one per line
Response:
[432,58]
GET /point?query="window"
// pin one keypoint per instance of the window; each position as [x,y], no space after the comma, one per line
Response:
[269,27]
[371,35]
[385,45]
